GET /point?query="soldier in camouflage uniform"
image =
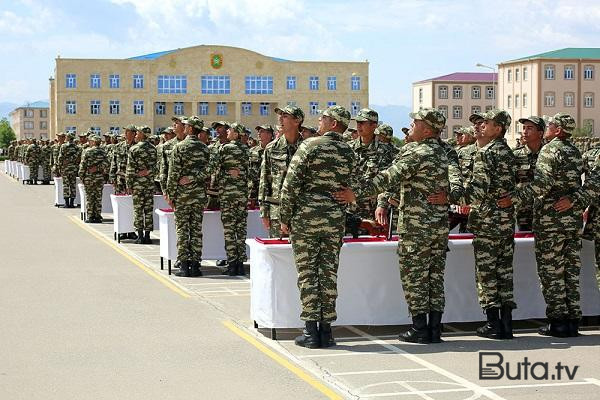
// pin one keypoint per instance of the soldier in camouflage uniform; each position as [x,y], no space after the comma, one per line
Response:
[92,169]
[11,150]
[276,159]
[118,165]
[265,136]
[173,134]
[465,155]
[315,221]
[162,160]
[308,132]
[60,137]
[233,192]
[46,158]
[559,203]
[68,161]
[385,133]
[591,230]
[220,128]
[186,193]
[141,165]
[33,158]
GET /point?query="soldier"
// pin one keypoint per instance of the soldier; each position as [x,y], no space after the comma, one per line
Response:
[11,150]
[68,161]
[118,164]
[46,162]
[233,190]
[186,193]
[385,133]
[265,136]
[308,132]
[556,222]
[60,137]
[315,222]
[92,169]
[33,158]
[420,170]
[171,139]
[493,226]
[276,159]
[220,128]
[526,157]
[458,214]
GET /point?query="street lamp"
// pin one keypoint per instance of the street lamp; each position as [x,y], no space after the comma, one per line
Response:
[493,79]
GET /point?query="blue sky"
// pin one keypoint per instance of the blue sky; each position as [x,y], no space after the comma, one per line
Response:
[404,41]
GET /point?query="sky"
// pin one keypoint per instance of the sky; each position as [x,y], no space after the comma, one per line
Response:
[404,41]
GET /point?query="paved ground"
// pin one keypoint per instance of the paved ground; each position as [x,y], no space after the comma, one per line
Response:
[88,318]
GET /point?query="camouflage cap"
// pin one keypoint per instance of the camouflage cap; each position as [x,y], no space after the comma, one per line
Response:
[562,120]
[351,130]
[219,123]
[405,130]
[537,121]
[308,127]
[61,134]
[338,113]
[70,135]
[107,133]
[467,130]
[294,111]
[131,127]
[265,127]
[86,133]
[194,121]
[432,117]
[366,114]
[500,117]
[94,138]
[179,118]
[206,129]
[385,130]
[237,127]
[475,116]
[144,129]
[168,129]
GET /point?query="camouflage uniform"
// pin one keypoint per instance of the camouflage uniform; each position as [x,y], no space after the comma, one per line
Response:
[387,131]
[118,165]
[256,156]
[93,167]
[591,161]
[165,160]
[142,156]
[213,169]
[33,158]
[46,162]
[11,151]
[55,152]
[68,161]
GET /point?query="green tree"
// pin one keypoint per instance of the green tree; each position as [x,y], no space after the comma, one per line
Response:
[397,141]
[584,131]
[7,135]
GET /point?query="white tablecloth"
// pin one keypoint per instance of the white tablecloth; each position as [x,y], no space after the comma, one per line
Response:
[370,291]
[6,166]
[107,190]
[59,199]
[122,206]
[23,172]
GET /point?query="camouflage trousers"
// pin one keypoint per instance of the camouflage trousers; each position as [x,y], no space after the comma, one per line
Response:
[69,184]
[33,171]
[212,202]
[234,217]
[422,272]
[559,265]
[46,172]
[120,186]
[143,208]
[365,208]
[317,261]
[494,270]
[597,255]
[93,197]
[525,218]
[275,229]
[188,223]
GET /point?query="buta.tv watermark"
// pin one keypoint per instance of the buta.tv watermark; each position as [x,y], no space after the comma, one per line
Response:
[493,367]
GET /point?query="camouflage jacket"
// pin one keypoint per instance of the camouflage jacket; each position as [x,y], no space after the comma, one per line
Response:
[454,174]
[233,155]
[188,158]
[165,160]
[256,155]
[118,162]
[466,159]
[33,155]
[94,157]
[493,176]
[141,156]
[69,158]
[372,158]
[276,159]
[54,160]
[11,152]
[320,167]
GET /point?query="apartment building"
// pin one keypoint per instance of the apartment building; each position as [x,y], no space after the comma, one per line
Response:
[30,120]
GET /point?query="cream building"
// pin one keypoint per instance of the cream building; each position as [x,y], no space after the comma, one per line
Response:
[557,81]
[213,82]
[457,95]
[30,120]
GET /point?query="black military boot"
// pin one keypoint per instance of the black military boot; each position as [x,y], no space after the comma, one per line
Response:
[72,202]
[506,321]
[232,268]
[573,327]
[184,269]
[147,239]
[67,202]
[556,327]
[492,329]
[241,270]
[309,337]
[418,332]
[435,327]
[140,237]
[132,236]
[195,269]
[325,334]
[221,263]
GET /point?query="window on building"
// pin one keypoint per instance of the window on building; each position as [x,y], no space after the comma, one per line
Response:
[28,124]
[509,75]
[203,108]
[420,95]
[475,109]
[443,110]
[517,101]
[114,106]
[313,83]
[259,85]
[95,81]
[490,93]
[508,101]
[549,99]
[215,84]
[265,109]
[246,108]
[138,107]
[178,108]
[114,130]
[331,104]
[114,81]
[589,125]
[569,99]
[354,108]
[160,108]
[313,107]
[517,74]
[138,81]
[588,72]
[95,130]
[43,113]
[457,92]
[291,83]
[443,92]
[71,107]
[524,97]
[221,108]
[476,92]
[173,84]
[444,134]
[71,81]
[569,72]
[489,108]
[457,112]
[43,124]
[95,107]
[70,129]
[331,83]
[588,100]
[355,83]
[525,73]
[549,71]
[28,113]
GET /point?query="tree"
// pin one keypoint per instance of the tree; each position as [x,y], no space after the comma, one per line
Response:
[585,131]
[397,141]
[7,135]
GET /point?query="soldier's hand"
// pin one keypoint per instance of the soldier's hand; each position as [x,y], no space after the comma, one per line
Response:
[184,180]
[345,196]
[381,215]
[464,210]
[439,198]
[235,172]
[266,222]
[504,202]
[143,172]
[586,214]
[563,204]
[285,229]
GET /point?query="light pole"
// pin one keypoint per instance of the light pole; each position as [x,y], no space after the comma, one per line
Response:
[493,79]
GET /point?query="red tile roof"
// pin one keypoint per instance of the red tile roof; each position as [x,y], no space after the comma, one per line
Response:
[465,77]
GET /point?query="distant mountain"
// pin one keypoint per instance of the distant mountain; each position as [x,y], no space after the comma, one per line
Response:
[6,108]
[396,116]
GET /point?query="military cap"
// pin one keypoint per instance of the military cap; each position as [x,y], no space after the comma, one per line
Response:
[61,134]
[179,118]
[206,129]
[347,136]
[265,127]
[366,114]
[467,130]
[405,130]
[144,129]
[500,117]
[310,128]
[247,131]
[107,133]
[294,111]
[338,113]
[431,116]
[86,133]
[562,120]
[194,121]
[537,121]
[131,127]
[239,128]
[167,130]
[384,130]
[94,138]
[71,135]
[219,123]
[475,116]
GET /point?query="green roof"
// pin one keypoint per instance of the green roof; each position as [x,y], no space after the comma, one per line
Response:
[568,53]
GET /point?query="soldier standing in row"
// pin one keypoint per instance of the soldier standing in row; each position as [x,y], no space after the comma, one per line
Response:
[385,133]
[220,128]
[161,158]
[60,137]
[11,150]
[92,169]
[68,161]
[265,136]
[118,164]
[33,158]
[46,162]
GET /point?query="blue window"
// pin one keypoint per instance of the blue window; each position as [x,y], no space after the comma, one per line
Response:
[160,108]
[291,83]
[114,81]
[221,108]
[314,107]
[70,129]
[138,107]
[331,83]
[259,85]
[71,81]
[95,130]
[71,107]
[95,81]
[265,108]
[246,108]
[331,103]
[114,106]
[203,108]
[355,83]
[354,107]
[138,81]
[95,107]
[313,83]
[114,130]
[215,84]
[178,108]
[172,84]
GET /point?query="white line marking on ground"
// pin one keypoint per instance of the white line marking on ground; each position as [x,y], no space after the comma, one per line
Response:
[415,391]
[383,371]
[346,354]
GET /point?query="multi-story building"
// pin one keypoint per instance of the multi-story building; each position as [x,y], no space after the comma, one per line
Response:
[30,120]
[213,82]
[457,95]
[557,81]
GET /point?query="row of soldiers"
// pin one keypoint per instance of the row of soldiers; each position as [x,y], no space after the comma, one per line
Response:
[35,154]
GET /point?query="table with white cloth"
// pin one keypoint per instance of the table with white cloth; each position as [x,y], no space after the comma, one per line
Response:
[6,166]
[107,190]
[370,291]
[24,174]
[122,206]
[59,199]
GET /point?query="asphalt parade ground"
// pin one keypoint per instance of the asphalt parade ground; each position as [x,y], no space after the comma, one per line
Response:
[85,317]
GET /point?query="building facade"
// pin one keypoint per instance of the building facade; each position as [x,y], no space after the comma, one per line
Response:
[457,96]
[557,81]
[213,82]
[31,120]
